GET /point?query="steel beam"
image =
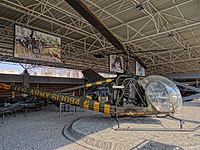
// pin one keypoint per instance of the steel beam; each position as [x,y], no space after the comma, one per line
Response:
[85,12]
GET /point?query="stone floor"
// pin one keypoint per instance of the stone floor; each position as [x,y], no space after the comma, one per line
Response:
[96,132]
[43,130]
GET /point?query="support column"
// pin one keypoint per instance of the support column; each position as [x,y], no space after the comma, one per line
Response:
[26,80]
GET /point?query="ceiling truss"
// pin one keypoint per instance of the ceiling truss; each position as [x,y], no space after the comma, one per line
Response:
[173,30]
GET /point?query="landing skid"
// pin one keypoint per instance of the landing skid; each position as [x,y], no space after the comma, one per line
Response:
[116,119]
[180,129]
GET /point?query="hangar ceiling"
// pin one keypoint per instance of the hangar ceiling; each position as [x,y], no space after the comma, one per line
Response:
[165,34]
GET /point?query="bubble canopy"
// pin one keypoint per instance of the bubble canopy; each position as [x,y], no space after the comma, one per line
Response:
[162,93]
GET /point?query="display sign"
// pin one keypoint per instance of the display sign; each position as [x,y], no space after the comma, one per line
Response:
[140,71]
[37,45]
[116,64]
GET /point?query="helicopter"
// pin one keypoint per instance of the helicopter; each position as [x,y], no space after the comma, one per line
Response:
[125,95]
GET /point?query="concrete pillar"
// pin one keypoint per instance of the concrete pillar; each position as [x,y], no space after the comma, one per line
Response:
[26,81]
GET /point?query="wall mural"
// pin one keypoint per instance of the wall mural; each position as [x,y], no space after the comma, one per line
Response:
[37,45]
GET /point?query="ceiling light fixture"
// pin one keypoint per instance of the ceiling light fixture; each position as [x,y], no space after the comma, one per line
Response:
[170,35]
[139,7]
[99,55]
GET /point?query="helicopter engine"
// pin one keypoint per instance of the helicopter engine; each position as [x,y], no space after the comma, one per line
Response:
[127,92]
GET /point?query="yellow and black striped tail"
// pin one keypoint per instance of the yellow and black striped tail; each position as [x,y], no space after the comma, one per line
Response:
[72,100]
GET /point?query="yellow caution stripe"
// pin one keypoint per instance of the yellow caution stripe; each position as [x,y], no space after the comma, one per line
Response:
[99,82]
[103,98]
[99,98]
[106,109]
[86,104]
[4,86]
[96,106]
[109,80]
[88,85]
[106,98]
[88,97]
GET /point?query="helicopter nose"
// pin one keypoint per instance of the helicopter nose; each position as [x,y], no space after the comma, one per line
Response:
[163,94]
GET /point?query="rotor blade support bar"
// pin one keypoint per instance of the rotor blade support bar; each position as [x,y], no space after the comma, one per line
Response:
[87,85]
[86,13]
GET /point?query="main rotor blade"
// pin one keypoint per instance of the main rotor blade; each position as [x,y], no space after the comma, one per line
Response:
[86,13]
